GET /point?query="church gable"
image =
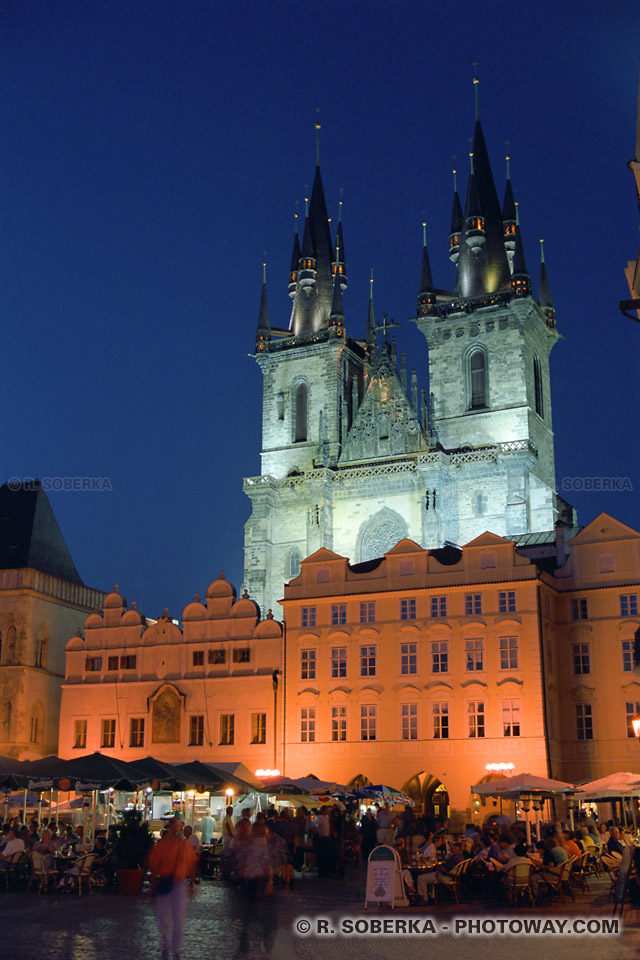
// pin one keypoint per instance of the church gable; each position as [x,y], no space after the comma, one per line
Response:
[603,529]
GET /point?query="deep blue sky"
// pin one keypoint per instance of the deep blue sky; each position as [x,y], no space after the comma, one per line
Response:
[153,152]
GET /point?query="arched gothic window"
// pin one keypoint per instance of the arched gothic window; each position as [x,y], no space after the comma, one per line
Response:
[300,413]
[477,380]
[481,504]
[537,386]
[294,563]
[41,648]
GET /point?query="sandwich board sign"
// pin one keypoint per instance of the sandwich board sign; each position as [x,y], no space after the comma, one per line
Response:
[384,878]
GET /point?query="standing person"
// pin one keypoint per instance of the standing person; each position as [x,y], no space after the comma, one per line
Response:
[208,826]
[172,863]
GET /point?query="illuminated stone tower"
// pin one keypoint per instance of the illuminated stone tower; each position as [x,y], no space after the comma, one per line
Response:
[354,457]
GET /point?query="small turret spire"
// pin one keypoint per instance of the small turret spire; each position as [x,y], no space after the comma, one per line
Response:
[544,291]
[520,279]
[336,317]
[473,219]
[339,265]
[371,323]
[426,296]
[263,333]
[295,260]
[509,218]
[476,84]
[457,222]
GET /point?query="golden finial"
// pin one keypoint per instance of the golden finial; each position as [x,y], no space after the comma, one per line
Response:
[306,206]
[475,86]
[424,233]
[264,271]
[317,137]
[541,250]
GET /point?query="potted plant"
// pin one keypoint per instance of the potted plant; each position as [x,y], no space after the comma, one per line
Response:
[131,849]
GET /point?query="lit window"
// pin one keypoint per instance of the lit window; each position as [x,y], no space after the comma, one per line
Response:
[79,734]
[368,717]
[474,654]
[438,606]
[581,658]
[339,723]
[408,609]
[136,732]
[475,718]
[338,614]
[632,710]
[93,664]
[108,734]
[258,728]
[584,721]
[307,664]
[409,717]
[579,609]
[408,658]
[511,718]
[368,661]
[339,662]
[227,729]
[508,653]
[440,656]
[472,604]
[308,725]
[196,730]
[628,604]
[308,617]
[440,718]
[507,601]
[368,611]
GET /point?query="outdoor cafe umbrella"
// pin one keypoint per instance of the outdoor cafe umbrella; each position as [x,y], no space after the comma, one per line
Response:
[523,784]
[616,786]
[385,794]
[163,775]
[96,771]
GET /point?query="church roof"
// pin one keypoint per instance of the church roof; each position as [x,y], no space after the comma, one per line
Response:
[30,535]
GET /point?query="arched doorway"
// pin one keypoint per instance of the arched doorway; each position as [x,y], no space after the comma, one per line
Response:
[359,781]
[429,796]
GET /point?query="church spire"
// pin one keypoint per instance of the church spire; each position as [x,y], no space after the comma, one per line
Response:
[509,218]
[544,291]
[457,222]
[339,265]
[295,261]
[336,317]
[426,296]
[371,324]
[520,280]
[263,333]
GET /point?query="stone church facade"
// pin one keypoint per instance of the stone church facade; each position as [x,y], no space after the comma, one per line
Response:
[354,458]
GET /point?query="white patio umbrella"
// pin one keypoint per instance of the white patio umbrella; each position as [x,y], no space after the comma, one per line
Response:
[615,786]
[524,784]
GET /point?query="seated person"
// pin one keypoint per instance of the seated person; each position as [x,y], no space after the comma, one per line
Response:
[613,843]
[13,845]
[497,850]
[427,882]
[428,848]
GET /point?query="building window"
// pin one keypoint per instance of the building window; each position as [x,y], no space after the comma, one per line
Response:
[368,611]
[408,658]
[440,656]
[242,655]
[368,716]
[472,604]
[507,601]
[477,380]
[584,722]
[198,658]
[258,728]
[339,662]
[408,609]
[196,730]
[627,655]
[475,718]
[338,614]
[339,724]
[136,732]
[508,653]
[409,717]
[438,606]
[227,729]
[41,649]
[79,734]
[632,710]
[35,730]
[511,718]
[537,387]
[579,609]
[480,504]
[308,617]
[628,604]
[300,413]
[307,664]
[368,661]
[108,734]
[440,720]
[217,657]
[93,664]
[308,725]
[474,654]
[581,658]
[112,664]
[128,662]
[294,563]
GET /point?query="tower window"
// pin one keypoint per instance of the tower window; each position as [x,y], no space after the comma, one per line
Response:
[300,413]
[477,380]
[537,385]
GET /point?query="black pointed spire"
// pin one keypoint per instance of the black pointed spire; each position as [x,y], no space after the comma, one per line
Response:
[457,222]
[426,296]
[340,264]
[371,324]
[263,333]
[473,219]
[520,280]
[295,261]
[544,291]
[509,218]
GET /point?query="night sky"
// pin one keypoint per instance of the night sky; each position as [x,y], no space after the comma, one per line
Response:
[153,154]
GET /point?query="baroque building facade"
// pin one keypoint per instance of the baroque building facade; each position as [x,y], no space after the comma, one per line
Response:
[42,601]
[354,456]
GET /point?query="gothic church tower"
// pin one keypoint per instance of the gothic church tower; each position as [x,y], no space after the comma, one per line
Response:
[353,457]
